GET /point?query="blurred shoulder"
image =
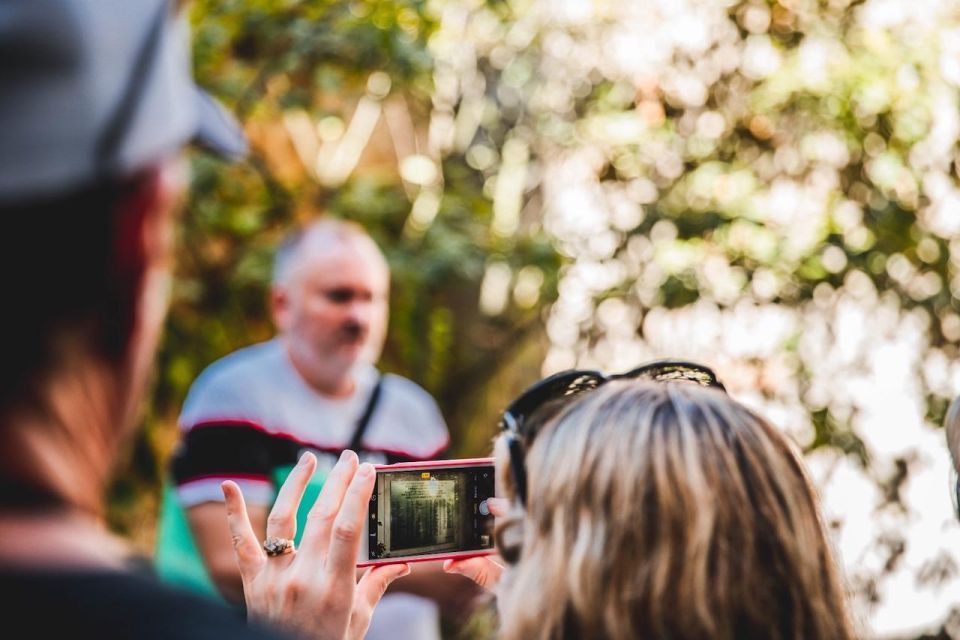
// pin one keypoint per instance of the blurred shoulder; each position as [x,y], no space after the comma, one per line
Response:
[237,386]
[257,362]
[413,413]
[407,390]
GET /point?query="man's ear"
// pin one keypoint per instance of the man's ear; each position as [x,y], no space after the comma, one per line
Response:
[280,306]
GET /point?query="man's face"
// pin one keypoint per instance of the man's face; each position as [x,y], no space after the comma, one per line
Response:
[333,302]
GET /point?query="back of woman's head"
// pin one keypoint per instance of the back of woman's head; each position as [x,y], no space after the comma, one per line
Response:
[69,263]
[77,267]
[668,510]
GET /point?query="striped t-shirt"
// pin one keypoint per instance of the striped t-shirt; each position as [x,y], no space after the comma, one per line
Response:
[249,417]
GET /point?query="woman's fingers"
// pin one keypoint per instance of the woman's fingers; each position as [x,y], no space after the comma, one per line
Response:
[499,507]
[282,521]
[348,525]
[250,556]
[375,581]
[316,534]
[482,570]
[370,589]
[317,592]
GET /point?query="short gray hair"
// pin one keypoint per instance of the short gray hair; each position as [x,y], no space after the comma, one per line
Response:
[335,229]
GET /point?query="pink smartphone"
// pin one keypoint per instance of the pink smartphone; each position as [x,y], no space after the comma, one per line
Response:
[433,510]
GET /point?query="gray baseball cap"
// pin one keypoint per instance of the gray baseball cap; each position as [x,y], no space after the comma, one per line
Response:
[95,89]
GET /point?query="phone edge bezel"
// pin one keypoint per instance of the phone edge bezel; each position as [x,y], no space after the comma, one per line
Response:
[433,464]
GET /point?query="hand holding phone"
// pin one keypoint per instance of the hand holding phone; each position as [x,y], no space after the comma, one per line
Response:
[484,570]
[435,510]
[311,591]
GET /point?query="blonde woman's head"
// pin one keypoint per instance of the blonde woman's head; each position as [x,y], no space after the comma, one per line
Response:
[667,510]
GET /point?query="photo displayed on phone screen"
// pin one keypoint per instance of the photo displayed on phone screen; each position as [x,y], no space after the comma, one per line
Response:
[431,511]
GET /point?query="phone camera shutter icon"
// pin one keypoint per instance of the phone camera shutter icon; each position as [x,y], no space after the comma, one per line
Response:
[484,508]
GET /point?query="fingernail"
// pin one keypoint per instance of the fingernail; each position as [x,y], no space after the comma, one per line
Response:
[344,455]
[303,458]
[366,470]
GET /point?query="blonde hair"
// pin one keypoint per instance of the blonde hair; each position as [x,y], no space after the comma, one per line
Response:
[668,510]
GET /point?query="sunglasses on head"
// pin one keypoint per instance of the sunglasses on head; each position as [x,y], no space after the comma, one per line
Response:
[573,383]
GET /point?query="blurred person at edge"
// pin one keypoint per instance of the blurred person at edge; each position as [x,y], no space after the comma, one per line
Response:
[951,426]
[659,510]
[96,105]
[250,415]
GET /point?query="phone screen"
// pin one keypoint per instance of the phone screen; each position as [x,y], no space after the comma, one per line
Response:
[430,509]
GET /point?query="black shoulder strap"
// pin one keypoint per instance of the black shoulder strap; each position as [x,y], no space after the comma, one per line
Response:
[357,440]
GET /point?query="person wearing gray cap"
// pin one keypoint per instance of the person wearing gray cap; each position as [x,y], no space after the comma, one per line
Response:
[96,105]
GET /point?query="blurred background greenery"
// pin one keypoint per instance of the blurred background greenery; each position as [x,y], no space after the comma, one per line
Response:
[769,187]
